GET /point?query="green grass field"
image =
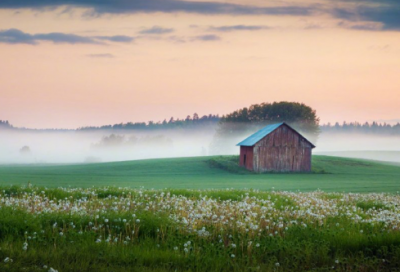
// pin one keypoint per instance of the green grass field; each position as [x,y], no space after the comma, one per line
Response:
[119,230]
[344,175]
[104,228]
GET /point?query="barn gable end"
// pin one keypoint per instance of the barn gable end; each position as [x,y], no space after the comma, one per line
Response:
[282,149]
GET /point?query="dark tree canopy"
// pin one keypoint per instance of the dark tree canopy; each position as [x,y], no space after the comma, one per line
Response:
[290,112]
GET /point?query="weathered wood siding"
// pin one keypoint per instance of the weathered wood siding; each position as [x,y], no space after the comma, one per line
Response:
[283,150]
[246,151]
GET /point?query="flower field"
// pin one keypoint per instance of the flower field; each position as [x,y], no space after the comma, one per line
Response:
[120,229]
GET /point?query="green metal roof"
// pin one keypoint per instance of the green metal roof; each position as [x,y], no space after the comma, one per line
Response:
[256,137]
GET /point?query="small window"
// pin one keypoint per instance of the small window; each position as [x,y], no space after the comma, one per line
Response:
[244,159]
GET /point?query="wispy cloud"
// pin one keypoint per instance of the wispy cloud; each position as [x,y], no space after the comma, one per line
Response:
[151,6]
[117,38]
[206,38]
[105,55]
[371,13]
[367,26]
[16,36]
[177,39]
[386,12]
[238,28]
[156,30]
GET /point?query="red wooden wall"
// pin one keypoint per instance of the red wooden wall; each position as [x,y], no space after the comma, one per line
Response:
[246,152]
[283,150]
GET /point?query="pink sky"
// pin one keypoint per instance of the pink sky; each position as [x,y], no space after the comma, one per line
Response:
[192,65]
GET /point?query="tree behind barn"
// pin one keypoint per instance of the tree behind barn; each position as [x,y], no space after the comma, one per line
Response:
[241,123]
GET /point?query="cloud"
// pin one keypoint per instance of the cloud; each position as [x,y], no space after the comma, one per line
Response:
[367,26]
[118,38]
[157,30]
[312,26]
[151,6]
[16,36]
[380,11]
[63,38]
[238,28]
[106,55]
[177,39]
[206,38]
[384,12]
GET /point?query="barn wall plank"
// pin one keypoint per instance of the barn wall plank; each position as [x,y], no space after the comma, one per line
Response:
[283,150]
[248,151]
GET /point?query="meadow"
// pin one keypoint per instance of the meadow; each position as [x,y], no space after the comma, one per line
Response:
[121,229]
[330,174]
[195,214]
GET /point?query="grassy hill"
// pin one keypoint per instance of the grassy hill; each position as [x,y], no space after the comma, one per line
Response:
[344,175]
[389,156]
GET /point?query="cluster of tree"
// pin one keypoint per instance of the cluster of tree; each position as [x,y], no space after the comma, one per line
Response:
[246,121]
[5,124]
[189,122]
[366,128]
[115,140]
[298,114]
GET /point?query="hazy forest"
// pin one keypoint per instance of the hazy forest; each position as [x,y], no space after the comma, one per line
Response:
[205,135]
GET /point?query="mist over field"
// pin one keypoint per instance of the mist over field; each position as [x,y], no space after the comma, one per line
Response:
[100,146]
[43,147]
[355,145]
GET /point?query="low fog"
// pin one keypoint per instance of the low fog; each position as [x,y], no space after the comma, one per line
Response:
[99,146]
[40,147]
[354,145]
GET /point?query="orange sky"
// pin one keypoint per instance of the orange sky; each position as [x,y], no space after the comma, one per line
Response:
[345,74]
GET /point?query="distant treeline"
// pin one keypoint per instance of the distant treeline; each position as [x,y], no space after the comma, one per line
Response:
[365,128]
[196,122]
[189,122]
[5,124]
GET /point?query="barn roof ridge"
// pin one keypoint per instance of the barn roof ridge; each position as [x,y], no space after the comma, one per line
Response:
[256,137]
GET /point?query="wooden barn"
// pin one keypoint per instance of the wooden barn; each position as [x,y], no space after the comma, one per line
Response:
[276,148]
